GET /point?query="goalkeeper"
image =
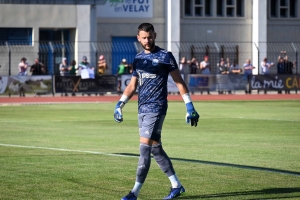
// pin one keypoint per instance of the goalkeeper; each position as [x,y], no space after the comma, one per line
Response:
[151,68]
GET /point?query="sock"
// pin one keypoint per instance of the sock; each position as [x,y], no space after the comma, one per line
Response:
[137,188]
[175,181]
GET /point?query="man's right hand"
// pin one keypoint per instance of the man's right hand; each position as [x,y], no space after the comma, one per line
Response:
[118,112]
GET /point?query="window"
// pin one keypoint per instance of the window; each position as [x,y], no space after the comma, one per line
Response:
[283,8]
[220,6]
[188,8]
[208,8]
[293,8]
[16,36]
[214,8]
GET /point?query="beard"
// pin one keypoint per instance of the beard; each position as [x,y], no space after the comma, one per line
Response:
[149,46]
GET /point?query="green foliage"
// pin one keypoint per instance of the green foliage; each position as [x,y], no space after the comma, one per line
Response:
[240,150]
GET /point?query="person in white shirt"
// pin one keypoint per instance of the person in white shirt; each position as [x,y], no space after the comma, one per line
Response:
[23,65]
[205,69]
[205,66]
[64,68]
[265,66]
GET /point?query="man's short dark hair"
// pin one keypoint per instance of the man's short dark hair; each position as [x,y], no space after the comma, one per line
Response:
[147,27]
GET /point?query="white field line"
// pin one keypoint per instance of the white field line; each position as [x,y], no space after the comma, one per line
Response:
[120,155]
[64,150]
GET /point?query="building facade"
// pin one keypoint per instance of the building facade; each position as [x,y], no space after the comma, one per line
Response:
[238,29]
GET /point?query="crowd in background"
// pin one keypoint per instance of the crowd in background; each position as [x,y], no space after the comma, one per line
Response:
[193,66]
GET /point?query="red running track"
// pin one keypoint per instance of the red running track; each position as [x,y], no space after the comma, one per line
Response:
[112,98]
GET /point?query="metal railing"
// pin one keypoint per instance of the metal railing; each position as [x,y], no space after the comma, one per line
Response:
[51,53]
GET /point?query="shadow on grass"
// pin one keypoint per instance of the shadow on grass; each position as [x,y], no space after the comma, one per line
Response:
[226,165]
[279,192]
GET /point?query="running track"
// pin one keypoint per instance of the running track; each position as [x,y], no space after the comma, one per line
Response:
[114,98]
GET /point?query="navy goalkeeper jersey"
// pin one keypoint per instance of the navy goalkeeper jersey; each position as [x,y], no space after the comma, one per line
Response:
[152,71]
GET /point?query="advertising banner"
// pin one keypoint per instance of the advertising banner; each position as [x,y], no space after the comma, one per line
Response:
[199,82]
[73,84]
[275,82]
[25,84]
[125,9]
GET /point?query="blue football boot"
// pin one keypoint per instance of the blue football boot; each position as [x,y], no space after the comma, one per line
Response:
[129,196]
[175,192]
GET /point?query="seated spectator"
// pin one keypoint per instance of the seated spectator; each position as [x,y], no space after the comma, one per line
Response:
[23,65]
[37,68]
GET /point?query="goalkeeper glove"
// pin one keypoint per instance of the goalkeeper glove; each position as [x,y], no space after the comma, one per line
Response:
[118,112]
[118,109]
[192,116]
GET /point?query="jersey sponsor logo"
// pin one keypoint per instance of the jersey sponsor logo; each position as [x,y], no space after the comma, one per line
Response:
[155,62]
[147,75]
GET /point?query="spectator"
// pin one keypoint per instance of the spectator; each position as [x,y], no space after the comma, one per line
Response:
[205,69]
[228,63]
[248,68]
[64,68]
[72,68]
[122,66]
[288,66]
[121,70]
[222,67]
[37,68]
[224,70]
[280,68]
[265,66]
[102,66]
[193,65]
[235,68]
[183,65]
[85,65]
[23,65]
[205,66]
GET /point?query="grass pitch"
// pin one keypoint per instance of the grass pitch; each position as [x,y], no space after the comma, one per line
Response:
[240,150]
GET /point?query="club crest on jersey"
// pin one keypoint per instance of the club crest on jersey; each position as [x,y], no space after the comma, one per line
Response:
[155,62]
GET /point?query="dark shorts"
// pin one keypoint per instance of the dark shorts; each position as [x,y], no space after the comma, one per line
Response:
[150,125]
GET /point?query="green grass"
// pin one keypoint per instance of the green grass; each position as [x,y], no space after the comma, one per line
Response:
[240,150]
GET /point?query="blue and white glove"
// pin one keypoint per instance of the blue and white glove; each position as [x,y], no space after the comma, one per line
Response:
[118,112]
[118,109]
[192,116]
